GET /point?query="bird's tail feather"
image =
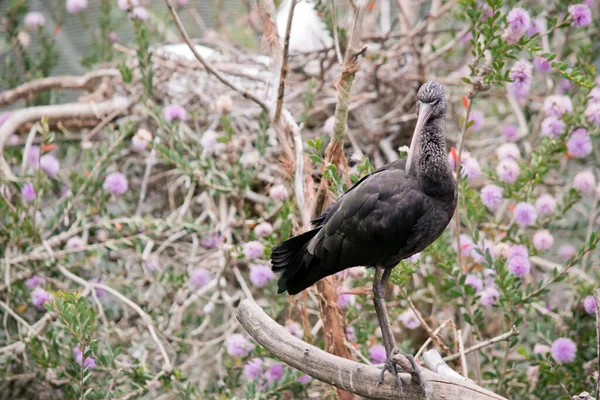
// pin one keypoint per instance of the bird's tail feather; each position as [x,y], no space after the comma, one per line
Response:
[295,261]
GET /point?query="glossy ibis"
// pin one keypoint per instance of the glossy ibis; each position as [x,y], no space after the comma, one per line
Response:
[387,216]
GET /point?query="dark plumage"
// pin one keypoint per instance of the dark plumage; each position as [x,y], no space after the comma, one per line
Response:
[387,216]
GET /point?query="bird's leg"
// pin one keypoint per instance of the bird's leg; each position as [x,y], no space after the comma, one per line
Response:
[381,277]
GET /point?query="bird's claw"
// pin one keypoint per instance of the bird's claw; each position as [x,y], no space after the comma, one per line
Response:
[392,366]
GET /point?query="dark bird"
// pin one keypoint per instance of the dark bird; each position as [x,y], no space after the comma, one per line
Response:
[387,216]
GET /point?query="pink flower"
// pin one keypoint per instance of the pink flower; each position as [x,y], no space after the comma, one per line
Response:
[253,369]
[377,354]
[263,229]
[520,74]
[238,346]
[211,241]
[350,334]
[471,169]
[579,144]
[508,150]
[478,119]
[141,140]
[543,240]
[589,305]
[409,319]
[491,196]
[34,20]
[508,170]
[328,126]
[39,296]
[254,249]
[294,329]
[566,251]
[509,132]
[127,5]
[274,373]
[116,183]
[564,86]
[552,126]
[33,157]
[594,97]
[414,258]
[563,350]
[304,379]
[581,14]
[34,282]
[519,266]
[88,363]
[535,26]
[518,251]
[210,142]
[175,111]
[525,214]
[112,37]
[76,6]
[518,20]
[556,105]
[49,164]
[584,182]
[542,349]
[542,65]
[475,282]
[466,245]
[260,275]
[345,299]
[28,192]
[489,297]
[592,112]
[75,243]
[545,204]
[278,192]
[200,277]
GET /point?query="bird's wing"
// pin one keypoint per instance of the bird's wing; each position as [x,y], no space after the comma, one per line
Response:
[372,222]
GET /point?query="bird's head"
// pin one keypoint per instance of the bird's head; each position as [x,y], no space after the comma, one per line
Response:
[431,104]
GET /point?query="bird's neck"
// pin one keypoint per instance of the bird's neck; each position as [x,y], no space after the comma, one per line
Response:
[433,169]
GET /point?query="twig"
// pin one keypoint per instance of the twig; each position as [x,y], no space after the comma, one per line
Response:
[349,375]
[434,362]
[55,82]
[336,39]
[16,316]
[505,336]
[299,169]
[461,350]
[143,315]
[284,63]
[207,65]
[36,330]
[435,332]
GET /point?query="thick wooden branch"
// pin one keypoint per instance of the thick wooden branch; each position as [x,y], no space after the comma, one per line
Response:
[349,375]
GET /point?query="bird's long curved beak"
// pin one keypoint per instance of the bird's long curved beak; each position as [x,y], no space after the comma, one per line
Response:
[425,111]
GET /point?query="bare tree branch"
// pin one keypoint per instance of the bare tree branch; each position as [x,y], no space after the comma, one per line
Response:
[284,63]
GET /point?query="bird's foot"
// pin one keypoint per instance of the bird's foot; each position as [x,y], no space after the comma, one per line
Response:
[400,362]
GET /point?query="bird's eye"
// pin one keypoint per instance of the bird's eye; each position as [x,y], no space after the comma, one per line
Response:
[433,103]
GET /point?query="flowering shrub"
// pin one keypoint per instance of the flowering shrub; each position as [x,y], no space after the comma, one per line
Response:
[127,244]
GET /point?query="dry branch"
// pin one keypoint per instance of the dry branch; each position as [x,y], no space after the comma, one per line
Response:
[349,375]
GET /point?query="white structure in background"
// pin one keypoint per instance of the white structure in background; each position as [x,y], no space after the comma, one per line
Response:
[308,32]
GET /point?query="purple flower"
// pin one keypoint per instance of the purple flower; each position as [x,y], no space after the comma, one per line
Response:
[34,20]
[34,282]
[88,363]
[466,245]
[238,346]
[581,14]
[127,5]
[475,282]
[542,65]
[260,275]
[518,21]
[545,204]
[556,105]
[39,296]
[278,192]
[535,26]
[116,183]
[76,6]
[294,329]
[49,164]
[592,112]
[563,350]
[175,111]
[589,305]
[211,241]
[142,14]
[75,243]
[584,182]
[478,119]
[543,240]
[254,249]
[508,150]
[471,169]
[141,140]
[274,373]
[210,142]
[350,334]
[33,157]
[579,144]
[552,126]
[304,379]
[509,132]
[564,86]
[345,299]
[519,266]
[413,259]
[263,229]
[520,74]
[542,349]
[199,278]
[525,214]
[508,170]
[566,251]
[253,369]
[28,192]
[511,36]
[328,126]
[377,354]
[98,291]
[489,296]
[153,264]
[409,319]
[518,251]
[112,37]
[491,196]
[594,98]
